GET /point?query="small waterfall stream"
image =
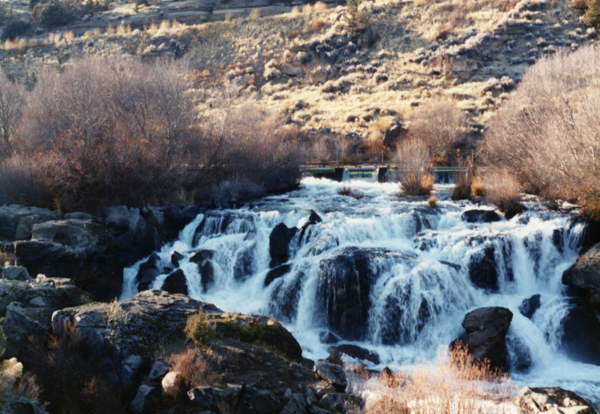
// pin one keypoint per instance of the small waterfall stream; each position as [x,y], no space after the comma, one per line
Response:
[420,270]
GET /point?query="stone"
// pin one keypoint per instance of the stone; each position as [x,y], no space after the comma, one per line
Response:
[148,272]
[119,326]
[486,329]
[357,352]
[28,307]
[207,273]
[279,243]
[176,282]
[16,221]
[333,374]
[581,334]
[480,216]
[170,383]
[482,269]
[130,368]
[220,400]
[16,273]
[13,404]
[141,399]
[323,389]
[293,70]
[529,306]
[584,276]
[276,273]
[255,401]
[335,402]
[553,400]
[159,369]
[175,258]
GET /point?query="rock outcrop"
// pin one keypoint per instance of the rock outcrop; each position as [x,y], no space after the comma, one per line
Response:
[486,329]
[91,251]
[552,400]
[28,308]
[480,216]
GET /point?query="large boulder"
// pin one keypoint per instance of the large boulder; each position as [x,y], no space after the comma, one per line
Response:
[584,276]
[15,273]
[480,216]
[176,283]
[16,221]
[581,334]
[207,272]
[553,400]
[28,308]
[486,329]
[158,316]
[529,306]
[218,400]
[345,280]
[279,243]
[332,374]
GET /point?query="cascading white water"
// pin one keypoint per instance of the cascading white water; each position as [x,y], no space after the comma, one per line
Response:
[418,265]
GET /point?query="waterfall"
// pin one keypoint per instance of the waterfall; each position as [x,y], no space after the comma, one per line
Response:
[390,275]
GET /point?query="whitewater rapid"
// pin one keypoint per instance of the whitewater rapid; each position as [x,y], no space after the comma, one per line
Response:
[422,290]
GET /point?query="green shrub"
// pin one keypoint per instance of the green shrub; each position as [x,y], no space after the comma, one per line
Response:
[198,329]
[15,28]
[57,13]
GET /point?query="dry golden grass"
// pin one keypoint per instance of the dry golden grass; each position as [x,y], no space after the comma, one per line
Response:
[254,14]
[455,383]
[110,30]
[432,202]
[320,7]
[68,36]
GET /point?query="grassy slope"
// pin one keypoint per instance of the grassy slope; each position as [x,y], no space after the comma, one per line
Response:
[472,52]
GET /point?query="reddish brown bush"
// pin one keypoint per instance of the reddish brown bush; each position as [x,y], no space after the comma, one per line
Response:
[196,367]
[70,376]
[413,162]
[441,125]
[12,98]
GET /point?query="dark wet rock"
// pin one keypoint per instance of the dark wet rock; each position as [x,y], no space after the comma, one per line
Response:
[144,398]
[279,243]
[358,352]
[257,401]
[483,269]
[176,282]
[552,400]
[519,358]
[333,374]
[581,334]
[148,272]
[313,219]
[329,338]
[529,306]
[584,276]
[480,216]
[345,280]
[276,273]
[487,328]
[207,273]
[243,261]
[219,400]
[176,258]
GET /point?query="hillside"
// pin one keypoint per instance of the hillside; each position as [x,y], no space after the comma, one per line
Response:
[303,59]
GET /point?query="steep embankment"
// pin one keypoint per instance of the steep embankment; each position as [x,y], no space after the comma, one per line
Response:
[307,63]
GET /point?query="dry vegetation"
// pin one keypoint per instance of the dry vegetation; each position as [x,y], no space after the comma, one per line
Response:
[413,160]
[455,383]
[546,135]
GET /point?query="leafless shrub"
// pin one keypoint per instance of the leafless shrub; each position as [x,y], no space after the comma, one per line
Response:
[246,142]
[195,367]
[12,98]
[464,182]
[22,182]
[547,134]
[441,125]
[70,376]
[412,157]
[432,202]
[504,191]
